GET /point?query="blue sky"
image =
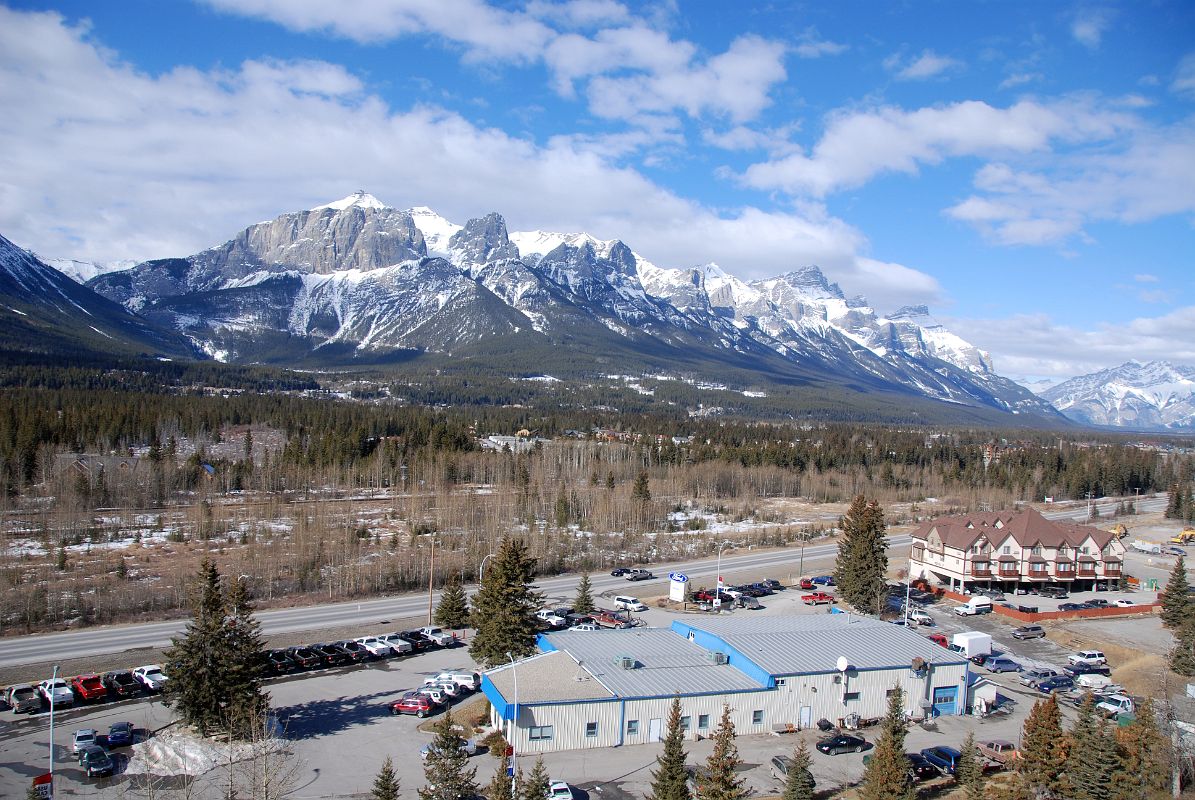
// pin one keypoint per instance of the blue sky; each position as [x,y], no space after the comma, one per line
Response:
[1026,169]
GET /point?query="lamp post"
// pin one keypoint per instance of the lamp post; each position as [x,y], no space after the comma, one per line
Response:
[431,574]
[514,722]
[481,568]
[718,591]
[53,683]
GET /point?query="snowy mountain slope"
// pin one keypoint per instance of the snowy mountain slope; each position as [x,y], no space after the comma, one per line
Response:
[83,271]
[1153,395]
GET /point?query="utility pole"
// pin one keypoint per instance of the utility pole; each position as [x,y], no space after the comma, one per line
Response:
[53,683]
[431,573]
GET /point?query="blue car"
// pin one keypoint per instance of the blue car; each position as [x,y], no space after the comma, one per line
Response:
[824,580]
[120,734]
[1059,683]
[944,758]
[1001,664]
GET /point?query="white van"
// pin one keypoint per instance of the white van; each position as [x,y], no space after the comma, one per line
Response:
[623,601]
[1093,681]
[975,605]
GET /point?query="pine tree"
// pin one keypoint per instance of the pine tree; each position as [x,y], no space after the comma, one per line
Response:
[1092,756]
[887,775]
[562,508]
[385,785]
[641,492]
[499,787]
[197,662]
[670,779]
[1176,597]
[800,784]
[1174,502]
[583,602]
[452,611]
[862,556]
[504,607]
[1143,769]
[1182,657]
[1043,751]
[968,772]
[720,780]
[535,785]
[246,663]
[446,771]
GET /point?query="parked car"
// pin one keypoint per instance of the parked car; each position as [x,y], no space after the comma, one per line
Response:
[441,637]
[1059,683]
[331,655]
[418,640]
[920,617]
[95,761]
[939,639]
[469,680]
[88,687]
[23,698]
[305,657]
[398,644]
[998,750]
[782,765]
[436,693]
[823,580]
[1001,664]
[1087,657]
[1031,677]
[559,790]
[415,703]
[468,747]
[638,575]
[376,646]
[1029,632]
[356,652]
[1124,603]
[83,737]
[151,677]
[57,690]
[1172,550]
[1098,602]
[943,757]
[920,768]
[628,603]
[841,743]
[585,626]
[1075,670]
[817,598]
[1072,606]
[550,618]
[749,602]
[703,596]
[121,683]
[991,594]
[773,584]
[1057,592]
[279,662]
[806,583]
[120,734]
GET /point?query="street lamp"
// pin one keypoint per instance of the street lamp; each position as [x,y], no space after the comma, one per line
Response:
[514,722]
[481,568]
[718,591]
[53,684]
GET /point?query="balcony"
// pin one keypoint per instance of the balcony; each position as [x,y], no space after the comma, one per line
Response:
[1009,572]
[1085,572]
[982,569]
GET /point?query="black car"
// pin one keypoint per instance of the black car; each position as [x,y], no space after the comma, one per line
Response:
[121,684]
[305,657]
[773,584]
[841,743]
[418,640]
[920,768]
[95,761]
[618,572]
[331,655]
[1097,603]
[1072,606]
[1075,670]
[763,589]
[356,652]
[278,662]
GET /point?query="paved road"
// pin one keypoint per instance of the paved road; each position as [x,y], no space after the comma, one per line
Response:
[114,639]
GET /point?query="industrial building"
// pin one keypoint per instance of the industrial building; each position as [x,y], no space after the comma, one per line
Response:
[614,687]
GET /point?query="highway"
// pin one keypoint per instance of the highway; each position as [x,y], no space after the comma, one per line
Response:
[760,564]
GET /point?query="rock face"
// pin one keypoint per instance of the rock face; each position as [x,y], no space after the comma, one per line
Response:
[1156,395]
[358,277]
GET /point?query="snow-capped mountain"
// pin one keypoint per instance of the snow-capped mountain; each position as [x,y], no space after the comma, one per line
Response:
[1153,395]
[83,271]
[359,277]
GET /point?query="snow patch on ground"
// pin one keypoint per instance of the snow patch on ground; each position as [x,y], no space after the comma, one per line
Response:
[180,754]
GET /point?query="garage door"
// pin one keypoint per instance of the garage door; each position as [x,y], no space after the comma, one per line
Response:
[945,701]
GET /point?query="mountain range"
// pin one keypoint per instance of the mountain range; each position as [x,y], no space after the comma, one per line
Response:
[359,283]
[1156,395]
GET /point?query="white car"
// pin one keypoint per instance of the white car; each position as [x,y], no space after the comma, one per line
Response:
[467,680]
[1094,657]
[376,646]
[151,677]
[438,635]
[56,692]
[468,747]
[920,617]
[1123,603]
[585,626]
[550,617]
[436,693]
[559,790]
[397,644]
[82,738]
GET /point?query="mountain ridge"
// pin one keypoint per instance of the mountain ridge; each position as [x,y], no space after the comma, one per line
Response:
[1151,395]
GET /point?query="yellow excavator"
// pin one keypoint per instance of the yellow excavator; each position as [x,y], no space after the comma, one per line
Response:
[1120,530]
[1186,537]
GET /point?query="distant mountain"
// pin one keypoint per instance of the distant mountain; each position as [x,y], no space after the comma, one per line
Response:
[1156,395]
[83,271]
[356,281]
[42,311]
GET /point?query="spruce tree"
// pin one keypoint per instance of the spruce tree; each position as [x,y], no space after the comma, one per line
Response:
[535,785]
[583,602]
[720,780]
[1043,751]
[1176,598]
[1143,768]
[1174,500]
[385,785]
[887,775]
[800,784]
[862,556]
[1182,656]
[197,662]
[968,772]
[641,492]
[247,701]
[1092,757]
[447,772]
[504,607]
[669,781]
[452,611]
[499,787]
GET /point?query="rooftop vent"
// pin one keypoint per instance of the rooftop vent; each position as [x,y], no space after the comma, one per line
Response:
[626,662]
[717,658]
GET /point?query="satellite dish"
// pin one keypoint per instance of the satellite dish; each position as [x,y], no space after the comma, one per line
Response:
[843,664]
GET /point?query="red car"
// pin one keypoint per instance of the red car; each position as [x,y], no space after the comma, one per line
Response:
[817,598]
[89,687]
[806,583]
[414,703]
[938,639]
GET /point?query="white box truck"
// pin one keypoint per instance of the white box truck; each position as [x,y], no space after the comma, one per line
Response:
[972,644]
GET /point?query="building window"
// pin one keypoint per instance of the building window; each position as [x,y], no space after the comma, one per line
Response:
[703,722]
[1062,550]
[1065,567]
[539,734]
[632,727]
[590,729]
[1006,550]
[850,696]
[1083,549]
[1036,550]
[781,681]
[757,717]
[1037,568]
[890,692]
[685,722]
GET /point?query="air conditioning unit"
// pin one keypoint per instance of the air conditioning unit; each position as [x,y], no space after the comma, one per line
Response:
[626,662]
[717,658]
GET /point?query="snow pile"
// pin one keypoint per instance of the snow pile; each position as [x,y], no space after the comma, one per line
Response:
[179,754]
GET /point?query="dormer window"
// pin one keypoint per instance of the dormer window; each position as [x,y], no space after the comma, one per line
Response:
[999,524]
[1006,550]
[1062,551]
[1037,550]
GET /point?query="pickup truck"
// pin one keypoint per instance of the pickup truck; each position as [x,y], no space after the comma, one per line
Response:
[550,618]
[23,698]
[1114,705]
[88,688]
[817,598]
[998,750]
[610,619]
[438,635]
[638,575]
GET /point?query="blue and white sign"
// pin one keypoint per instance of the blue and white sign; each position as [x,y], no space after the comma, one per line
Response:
[676,586]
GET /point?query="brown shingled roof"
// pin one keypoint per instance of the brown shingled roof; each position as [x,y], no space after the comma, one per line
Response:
[1026,528]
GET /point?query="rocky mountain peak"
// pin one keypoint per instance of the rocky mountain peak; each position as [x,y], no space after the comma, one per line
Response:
[482,241]
[358,199]
[918,314]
